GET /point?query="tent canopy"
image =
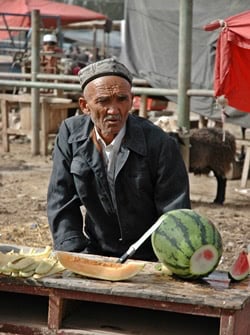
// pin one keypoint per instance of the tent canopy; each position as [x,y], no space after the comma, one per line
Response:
[232,62]
[150,48]
[51,13]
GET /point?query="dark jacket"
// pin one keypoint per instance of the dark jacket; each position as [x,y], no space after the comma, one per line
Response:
[152,180]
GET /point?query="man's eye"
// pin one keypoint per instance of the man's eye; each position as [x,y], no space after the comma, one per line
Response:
[101,100]
[123,98]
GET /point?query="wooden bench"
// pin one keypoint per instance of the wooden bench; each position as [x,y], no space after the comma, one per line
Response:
[53,111]
[149,303]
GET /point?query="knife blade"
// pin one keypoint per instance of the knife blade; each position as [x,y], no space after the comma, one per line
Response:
[132,249]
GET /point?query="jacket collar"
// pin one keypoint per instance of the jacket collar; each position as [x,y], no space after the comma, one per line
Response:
[134,138]
[82,131]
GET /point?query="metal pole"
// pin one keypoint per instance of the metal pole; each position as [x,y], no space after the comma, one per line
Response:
[35,93]
[184,73]
[76,87]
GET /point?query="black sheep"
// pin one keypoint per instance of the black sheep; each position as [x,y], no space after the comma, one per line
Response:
[210,150]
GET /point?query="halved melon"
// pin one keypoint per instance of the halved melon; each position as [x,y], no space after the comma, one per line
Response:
[240,268]
[98,268]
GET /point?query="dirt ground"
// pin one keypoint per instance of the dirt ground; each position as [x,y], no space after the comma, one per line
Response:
[23,187]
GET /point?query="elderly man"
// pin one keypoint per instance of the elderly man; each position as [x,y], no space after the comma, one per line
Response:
[121,168]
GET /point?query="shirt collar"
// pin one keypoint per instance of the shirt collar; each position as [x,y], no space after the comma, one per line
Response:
[116,143]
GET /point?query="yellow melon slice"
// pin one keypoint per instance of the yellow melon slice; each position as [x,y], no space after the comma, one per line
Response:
[99,269]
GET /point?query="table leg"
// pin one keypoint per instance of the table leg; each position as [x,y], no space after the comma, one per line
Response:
[237,322]
[56,311]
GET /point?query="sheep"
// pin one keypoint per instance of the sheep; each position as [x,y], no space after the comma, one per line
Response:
[209,151]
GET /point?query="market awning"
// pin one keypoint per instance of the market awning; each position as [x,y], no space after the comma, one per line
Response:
[50,12]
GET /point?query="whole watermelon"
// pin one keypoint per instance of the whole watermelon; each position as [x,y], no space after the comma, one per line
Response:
[187,243]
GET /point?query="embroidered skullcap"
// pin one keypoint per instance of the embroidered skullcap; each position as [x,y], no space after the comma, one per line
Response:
[105,67]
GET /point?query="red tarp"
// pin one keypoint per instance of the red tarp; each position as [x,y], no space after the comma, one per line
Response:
[232,62]
[67,13]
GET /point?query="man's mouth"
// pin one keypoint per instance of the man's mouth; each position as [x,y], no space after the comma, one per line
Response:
[112,118]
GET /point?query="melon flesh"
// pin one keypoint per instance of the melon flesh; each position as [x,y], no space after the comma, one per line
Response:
[97,268]
[204,260]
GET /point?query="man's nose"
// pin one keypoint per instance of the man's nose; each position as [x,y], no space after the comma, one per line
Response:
[113,109]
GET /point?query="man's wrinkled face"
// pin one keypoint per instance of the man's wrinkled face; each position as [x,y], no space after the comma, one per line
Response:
[108,101]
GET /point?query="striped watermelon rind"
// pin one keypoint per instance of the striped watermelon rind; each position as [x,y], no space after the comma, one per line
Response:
[187,243]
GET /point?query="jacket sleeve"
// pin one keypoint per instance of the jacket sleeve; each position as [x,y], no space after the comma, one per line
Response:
[63,204]
[172,182]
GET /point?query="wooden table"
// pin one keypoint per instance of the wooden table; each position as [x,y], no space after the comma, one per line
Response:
[151,303]
[53,111]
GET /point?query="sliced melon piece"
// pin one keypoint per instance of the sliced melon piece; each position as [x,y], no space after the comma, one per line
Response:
[45,265]
[57,268]
[240,268]
[38,255]
[97,268]
[21,264]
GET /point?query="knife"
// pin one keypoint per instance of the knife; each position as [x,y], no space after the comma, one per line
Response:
[132,249]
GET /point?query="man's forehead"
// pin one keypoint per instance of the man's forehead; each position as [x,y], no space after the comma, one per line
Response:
[108,85]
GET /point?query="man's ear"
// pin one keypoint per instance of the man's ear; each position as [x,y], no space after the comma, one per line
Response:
[83,106]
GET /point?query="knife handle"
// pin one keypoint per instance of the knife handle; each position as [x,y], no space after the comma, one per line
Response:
[126,255]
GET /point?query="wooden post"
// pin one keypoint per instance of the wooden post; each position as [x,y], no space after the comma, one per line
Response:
[44,127]
[35,94]
[94,47]
[5,122]
[143,106]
